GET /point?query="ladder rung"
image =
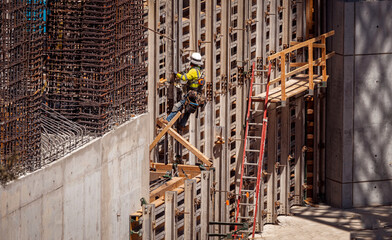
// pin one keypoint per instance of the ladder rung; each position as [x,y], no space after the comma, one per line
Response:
[258,70]
[252,150]
[255,124]
[251,164]
[247,177]
[259,83]
[254,137]
[245,217]
[247,190]
[257,110]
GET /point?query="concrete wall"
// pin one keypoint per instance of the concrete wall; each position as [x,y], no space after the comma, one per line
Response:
[88,194]
[359,108]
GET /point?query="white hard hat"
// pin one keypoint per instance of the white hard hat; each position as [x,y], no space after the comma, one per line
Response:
[196,59]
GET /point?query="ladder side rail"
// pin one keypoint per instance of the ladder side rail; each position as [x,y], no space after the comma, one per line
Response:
[261,154]
[245,140]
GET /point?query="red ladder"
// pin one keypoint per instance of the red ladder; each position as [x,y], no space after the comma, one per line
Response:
[247,187]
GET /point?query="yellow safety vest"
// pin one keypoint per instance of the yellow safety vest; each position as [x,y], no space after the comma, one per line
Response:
[192,77]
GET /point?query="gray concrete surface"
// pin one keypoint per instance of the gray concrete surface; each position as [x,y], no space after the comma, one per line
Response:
[88,194]
[359,99]
[324,222]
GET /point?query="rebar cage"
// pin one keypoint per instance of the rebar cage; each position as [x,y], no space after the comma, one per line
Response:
[67,65]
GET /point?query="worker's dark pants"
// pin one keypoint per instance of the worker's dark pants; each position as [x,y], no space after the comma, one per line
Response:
[176,108]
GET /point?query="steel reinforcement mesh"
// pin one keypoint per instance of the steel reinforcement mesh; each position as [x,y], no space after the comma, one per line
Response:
[22,31]
[96,75]
[81,59]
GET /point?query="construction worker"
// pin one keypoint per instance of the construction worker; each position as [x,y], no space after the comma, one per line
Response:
[194,84]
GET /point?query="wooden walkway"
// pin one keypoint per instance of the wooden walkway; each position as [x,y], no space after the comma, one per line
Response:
[294,86]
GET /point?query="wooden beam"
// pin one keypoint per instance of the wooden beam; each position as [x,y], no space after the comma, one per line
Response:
[319,45]
[323,59]
[316,45]
[292,43]
[168,186]
[310,59]
[165,129]
[187,145]
[283,76]
[297,64]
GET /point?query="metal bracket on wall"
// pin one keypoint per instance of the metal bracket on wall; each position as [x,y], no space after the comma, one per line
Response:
[259,66]
[241,75]
[209,91]
[223,83]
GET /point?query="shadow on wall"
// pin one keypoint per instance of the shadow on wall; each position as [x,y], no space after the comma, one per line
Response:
[359,126]
[372,155]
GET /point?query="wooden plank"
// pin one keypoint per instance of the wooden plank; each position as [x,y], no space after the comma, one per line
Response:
[316,45]
[319,45]
[292,43]
[168,186]
[290,49]
[297,64]
[186,144]
[277,91]
[293,87]
[165,129]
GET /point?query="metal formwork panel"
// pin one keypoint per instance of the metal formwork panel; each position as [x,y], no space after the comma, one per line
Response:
[256,30]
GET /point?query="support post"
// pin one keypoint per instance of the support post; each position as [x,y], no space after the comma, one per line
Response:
[225,115]
[189,212]
[170,215]
[324,62]
[285,149]
[194,16]
[286,23]
[283,77]
[149,222]
[271,191]
[169,65]
[153,54]
[299,143]
[205,204]
[310,62]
